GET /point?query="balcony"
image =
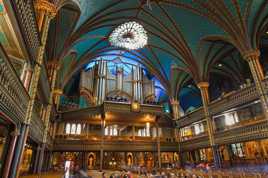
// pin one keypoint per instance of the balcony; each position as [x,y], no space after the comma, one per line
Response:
[195,142]
[13,96]
[37,124]
[91,142]
[253,129]
[228,101]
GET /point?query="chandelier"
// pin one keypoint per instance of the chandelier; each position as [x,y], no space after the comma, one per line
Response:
[129,35]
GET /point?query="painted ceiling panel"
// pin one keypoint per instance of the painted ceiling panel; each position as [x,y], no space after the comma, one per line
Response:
[187,21]
[90,7]
[175,30]
[61,28]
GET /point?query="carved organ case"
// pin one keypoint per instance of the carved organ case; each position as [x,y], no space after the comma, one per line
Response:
[116,81]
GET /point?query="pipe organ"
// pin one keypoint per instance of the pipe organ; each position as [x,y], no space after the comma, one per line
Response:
[107,80]
[101,81]
[137,83]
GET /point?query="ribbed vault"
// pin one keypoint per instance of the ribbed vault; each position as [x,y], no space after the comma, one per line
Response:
[190,41]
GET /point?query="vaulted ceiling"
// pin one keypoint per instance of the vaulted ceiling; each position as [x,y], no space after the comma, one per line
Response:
[189,41]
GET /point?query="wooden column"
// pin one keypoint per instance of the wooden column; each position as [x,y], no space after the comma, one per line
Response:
[87,129]
[54,130]
[252,57]
[133,132]
[57,94]
[102,140]
[18,152]
[175,108]
[50,102]
[38,150]
[203,86]
[158,144]
[49,11]
[14,136]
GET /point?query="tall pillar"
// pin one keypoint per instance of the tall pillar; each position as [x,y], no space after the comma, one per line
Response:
[178,135]
[203,86]
[54,130]
[252,57]
[57,93]
[41,159]
[49,10]
[176,115]
[18,152]
[158,145]
[38,150]
[175,108]
[133,132]
[102,140]
[47,117]
[14,136]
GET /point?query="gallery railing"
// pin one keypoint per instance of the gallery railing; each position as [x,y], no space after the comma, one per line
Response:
[25,15]
[198,141]
[94,137]
[37,124]
[252,130]
[72,142]
[228,101]
[13,96]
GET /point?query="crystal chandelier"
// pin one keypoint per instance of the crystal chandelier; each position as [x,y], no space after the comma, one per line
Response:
[129,35]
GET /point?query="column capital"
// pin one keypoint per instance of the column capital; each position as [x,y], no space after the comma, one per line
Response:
[251,54]
[174,101]
[15,133]
[44,5]
[203,85]
[58,91]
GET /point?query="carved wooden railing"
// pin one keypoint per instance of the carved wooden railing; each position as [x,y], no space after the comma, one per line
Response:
[13,96]
[25,15]
[252,131]
[37,125]
[190,118]
[199,141]
[221,104]
[126,107]
[68,142]
[97,137]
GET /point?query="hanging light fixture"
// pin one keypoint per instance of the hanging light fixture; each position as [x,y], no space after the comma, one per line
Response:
[129,35]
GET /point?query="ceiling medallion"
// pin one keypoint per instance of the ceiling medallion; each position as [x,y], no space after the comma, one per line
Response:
[129,35]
